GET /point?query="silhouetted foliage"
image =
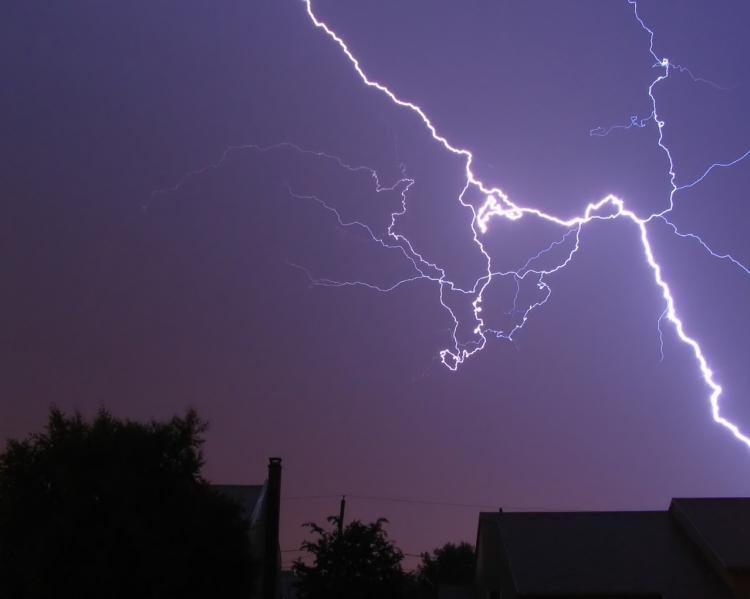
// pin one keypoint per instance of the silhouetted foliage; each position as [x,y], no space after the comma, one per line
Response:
[360,562]
[448,565]
[116,508]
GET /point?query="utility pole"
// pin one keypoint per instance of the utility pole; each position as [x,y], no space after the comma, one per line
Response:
[341,513]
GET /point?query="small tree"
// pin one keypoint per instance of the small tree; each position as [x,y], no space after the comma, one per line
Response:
[116,508]
[450,565]
[359,562]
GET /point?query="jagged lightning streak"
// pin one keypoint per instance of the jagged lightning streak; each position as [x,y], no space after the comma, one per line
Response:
[498,205]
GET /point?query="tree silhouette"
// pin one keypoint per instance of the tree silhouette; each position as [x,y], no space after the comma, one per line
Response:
[448,565]
[116,508]
[358,562]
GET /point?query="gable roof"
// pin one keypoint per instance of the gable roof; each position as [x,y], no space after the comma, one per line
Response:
[612,553]
[250,496]
[719,526]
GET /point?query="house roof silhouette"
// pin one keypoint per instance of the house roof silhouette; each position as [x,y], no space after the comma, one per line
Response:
[698,548]
[262,505]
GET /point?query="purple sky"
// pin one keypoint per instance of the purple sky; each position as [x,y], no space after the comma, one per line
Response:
[149,302]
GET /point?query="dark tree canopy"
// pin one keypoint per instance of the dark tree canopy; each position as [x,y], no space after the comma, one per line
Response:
[114,508]
[360,562]
[448,565]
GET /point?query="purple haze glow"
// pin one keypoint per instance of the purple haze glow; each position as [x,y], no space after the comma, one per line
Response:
[595,404]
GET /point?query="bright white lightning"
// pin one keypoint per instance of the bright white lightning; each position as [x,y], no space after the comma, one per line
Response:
[498,205]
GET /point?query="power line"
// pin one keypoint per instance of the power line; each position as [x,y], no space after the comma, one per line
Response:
[393,499]
[311,497]
[422,502]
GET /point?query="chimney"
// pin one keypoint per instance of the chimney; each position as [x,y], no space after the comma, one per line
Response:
[271,549]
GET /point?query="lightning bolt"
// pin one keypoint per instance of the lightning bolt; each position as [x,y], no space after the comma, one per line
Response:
[497,205]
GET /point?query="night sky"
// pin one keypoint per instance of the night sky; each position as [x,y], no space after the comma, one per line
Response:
[149,263]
